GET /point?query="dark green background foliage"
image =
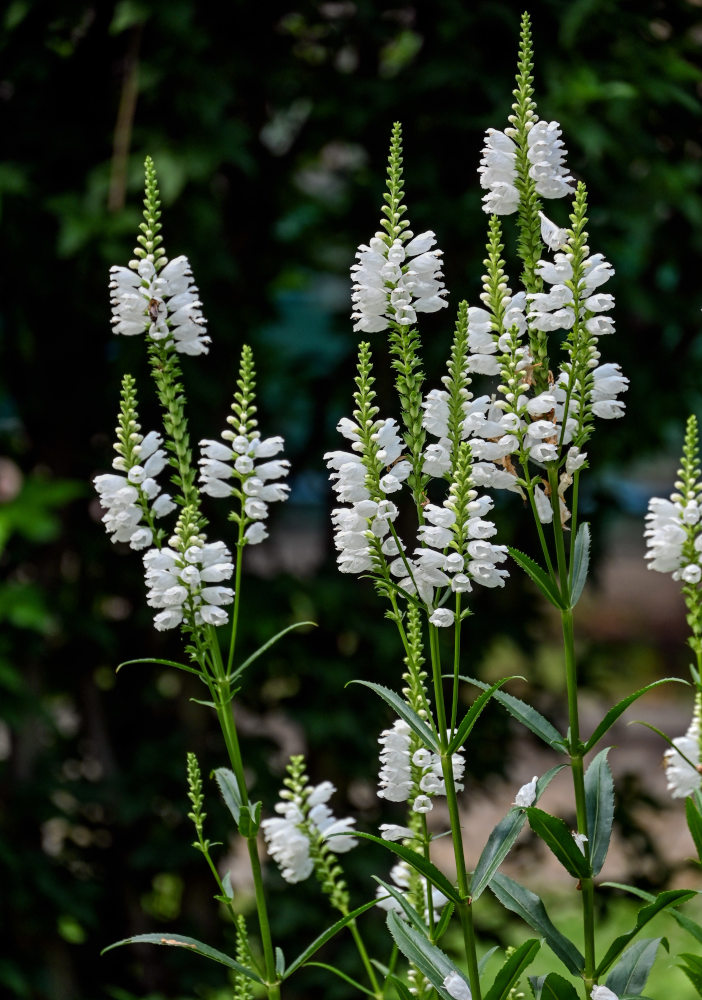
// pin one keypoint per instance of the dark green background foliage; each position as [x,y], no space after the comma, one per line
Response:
[270,139]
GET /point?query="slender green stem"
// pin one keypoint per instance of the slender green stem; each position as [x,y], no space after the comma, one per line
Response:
[465,910]
[426,843]
[540,530]
[367,965]
[456,663]
[237,591]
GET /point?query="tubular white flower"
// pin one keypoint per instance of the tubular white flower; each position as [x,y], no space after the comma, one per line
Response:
[126,498]
[393,282]
[498,173]
[178,584]
[163,304]
[668,524]
[684,776]
[546,154]
[526,796]
[602,993]
[395,778]
[456,987]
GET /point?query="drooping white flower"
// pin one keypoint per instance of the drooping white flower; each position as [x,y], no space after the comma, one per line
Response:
[185,586]
[667,528]
[498,173]
[547,153]
[602,993]
[395,778]
[303,816]
[393,282]
[580,840]
[162,303]
[526,796]
[684,776]
[133,491]
[456,987]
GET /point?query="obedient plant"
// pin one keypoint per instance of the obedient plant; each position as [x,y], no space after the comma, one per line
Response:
[524,388]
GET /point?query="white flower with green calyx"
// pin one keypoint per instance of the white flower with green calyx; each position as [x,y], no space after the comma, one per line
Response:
[155,296]
[132,497]
[242,464]
[185,577]
[527,159]
[397,274]
[305,835]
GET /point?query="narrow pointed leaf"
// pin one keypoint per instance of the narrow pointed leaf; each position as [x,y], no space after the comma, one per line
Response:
[402,991]
[401,708]
[630,973]
[279,962]
[429,959]
[417,861]
[524,714]
[163,663]
[190,944]
[486,958]
[691,926]
[543,581]
[694,823]
[599,804]
[327,935]
[621,706]
[692,969]
[404,903]
[581,563]
[471,717]
[267,645]
[230,791]
[671,897]
[552,987]
[512,970]
[530,908]
[503,837]
[341,975]
[557,836]
[444,921]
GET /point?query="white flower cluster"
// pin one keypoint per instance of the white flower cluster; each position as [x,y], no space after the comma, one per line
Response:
[684,776]
[126,497]
[288,836]
[668,524]
[239,463]
[186,586]
[395,282]
[498,166]
[401,772]
[354,527]
[163,304]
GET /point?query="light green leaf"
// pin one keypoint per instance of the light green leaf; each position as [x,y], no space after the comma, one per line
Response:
[552,987]
[230,791]
[163,663]
[401,708]
[671,897]
[510,972]
[267,645]
[471,717]
[581,562]
[429,959]
[691,926]
[557,836]
[342,975]
[621,706]
[417,861]
[191,944]
[543,581]
[630,973]
[599,804]
[327,935]
[404,903]
[503,837]
[530,908]
[693,969]
[524,714]
[694,823]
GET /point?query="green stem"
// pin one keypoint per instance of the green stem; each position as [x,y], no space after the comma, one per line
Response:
[465,909]
[456,663]
[540,530]
[237,590]
[367,965]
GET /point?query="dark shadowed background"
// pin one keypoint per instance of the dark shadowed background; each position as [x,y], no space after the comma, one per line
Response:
[270,140]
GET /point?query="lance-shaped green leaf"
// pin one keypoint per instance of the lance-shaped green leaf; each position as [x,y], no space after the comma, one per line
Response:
[691,926]
[524,714]
[557,836]
[693,812]
[162,663]
[599,804]
[429,959]
[444,921]
[327,935]
[266,645]
[230,791]
[191,944]
[471,717]
[692,967]
[503,837]
[530,908]
[405,905]
[543,581]
[279,962]
[401,708]
[342,975]
[630,973]
[510,972]
[671,897]
[621,706]
[402,991]
[416,861]
[552,987]
[581,563]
